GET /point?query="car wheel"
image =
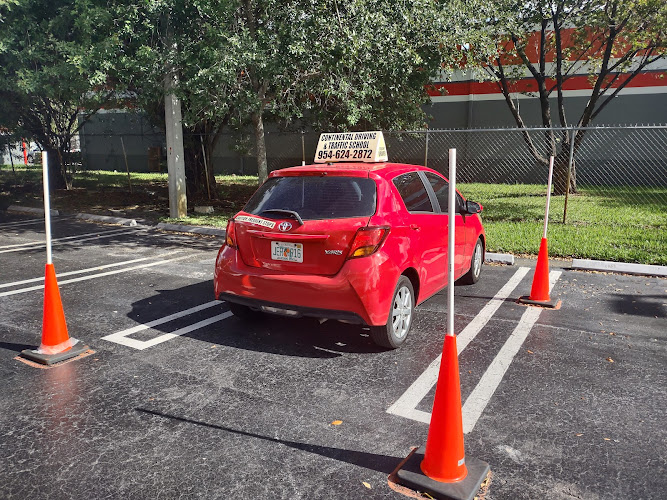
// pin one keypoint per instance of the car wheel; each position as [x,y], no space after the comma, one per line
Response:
[394,333]
[472,276]
[243,312]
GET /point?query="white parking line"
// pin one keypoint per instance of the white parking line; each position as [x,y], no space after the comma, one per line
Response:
[81,271]
[31,243]
[406,405]
[18,247]
[93,276]
[9,225]
[483,391]
[122,336]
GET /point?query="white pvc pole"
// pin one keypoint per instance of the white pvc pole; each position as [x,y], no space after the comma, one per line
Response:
[451,209]
[546,213]
[47,206]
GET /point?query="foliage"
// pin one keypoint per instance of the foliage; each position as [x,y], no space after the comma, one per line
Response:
[334,64]
[50,69]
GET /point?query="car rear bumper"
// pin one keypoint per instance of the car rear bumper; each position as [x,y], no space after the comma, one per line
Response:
[361,291]
[290,310]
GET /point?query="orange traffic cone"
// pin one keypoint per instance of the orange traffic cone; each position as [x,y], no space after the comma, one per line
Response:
[539,292]
[441,468]
[55,338]
[444,459]
[56,343]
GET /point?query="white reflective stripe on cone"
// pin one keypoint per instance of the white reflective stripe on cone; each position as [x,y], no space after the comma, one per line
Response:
[56,349]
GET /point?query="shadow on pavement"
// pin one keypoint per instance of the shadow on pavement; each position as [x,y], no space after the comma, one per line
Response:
[379,463]
[12,346]
[640,305]
[302,337]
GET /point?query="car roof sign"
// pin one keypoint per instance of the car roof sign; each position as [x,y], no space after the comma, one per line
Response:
[368,147]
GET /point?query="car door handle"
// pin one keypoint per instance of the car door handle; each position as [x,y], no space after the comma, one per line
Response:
[415,227]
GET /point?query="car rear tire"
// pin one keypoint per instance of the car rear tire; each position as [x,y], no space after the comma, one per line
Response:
[401,314]
[243,312]
[472,276]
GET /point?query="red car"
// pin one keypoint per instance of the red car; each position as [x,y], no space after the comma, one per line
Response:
[358,242]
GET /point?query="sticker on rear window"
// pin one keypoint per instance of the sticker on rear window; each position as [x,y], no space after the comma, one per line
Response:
[256,220]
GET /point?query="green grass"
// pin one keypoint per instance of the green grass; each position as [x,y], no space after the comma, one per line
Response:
[621,224]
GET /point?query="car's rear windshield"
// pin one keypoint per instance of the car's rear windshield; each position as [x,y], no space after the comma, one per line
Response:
[315,197]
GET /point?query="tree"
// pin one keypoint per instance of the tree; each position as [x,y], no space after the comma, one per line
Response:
[551,42]
[341,64]
[153,36]
[49,85]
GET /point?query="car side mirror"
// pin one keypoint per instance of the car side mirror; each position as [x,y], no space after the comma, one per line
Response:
[473,208]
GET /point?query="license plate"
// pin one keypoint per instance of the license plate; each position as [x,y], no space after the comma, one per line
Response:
[289,252]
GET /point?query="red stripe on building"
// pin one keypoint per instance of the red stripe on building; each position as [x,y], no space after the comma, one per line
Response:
[581,82]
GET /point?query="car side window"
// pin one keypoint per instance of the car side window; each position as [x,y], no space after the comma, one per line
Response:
[441,189]
[459,204]
[414,194]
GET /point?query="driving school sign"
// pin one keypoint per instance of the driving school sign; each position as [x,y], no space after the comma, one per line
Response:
[366,147]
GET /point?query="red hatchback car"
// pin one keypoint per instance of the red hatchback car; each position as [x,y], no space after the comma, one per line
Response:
[357,242]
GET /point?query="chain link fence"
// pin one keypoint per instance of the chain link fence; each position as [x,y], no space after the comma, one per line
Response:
[628,162]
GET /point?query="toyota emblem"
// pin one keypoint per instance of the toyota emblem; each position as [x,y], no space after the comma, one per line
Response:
[285,226]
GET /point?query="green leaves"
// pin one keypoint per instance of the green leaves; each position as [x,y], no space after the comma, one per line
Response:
[49,69]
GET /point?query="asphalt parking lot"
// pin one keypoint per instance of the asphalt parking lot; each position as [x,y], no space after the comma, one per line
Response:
[182,400]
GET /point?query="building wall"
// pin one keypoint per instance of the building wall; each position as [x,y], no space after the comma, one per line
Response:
[102,149]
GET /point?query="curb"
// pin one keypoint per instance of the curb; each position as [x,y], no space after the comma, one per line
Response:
[191,229]
[502,258]
[108,219]
[619,267]
[29,210]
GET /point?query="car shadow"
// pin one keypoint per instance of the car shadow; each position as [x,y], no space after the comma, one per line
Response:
[301,337]
[380,463]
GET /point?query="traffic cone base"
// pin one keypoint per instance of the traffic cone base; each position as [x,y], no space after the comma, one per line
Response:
[52,359]
[411,476]
[551,304]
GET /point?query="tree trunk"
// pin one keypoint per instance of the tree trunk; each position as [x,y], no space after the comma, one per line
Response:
[260,146]
[196,174]
[195,169]
[57,178]
[561,162]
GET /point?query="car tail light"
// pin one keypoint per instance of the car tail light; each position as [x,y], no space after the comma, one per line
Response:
[367,241]
[230,241]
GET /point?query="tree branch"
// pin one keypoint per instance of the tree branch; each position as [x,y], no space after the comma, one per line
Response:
[515,113]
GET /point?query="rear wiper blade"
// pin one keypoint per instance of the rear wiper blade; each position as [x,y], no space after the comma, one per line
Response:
[285,212]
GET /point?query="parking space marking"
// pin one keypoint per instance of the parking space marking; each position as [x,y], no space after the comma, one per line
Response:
[122,336]
[487,385]
[81,271]
[93,276]
[9,225]
[33,245]
[406,405]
